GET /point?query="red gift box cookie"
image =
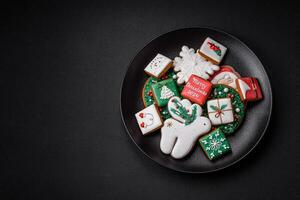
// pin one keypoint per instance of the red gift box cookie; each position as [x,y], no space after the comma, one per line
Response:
[249,89]
[197,89]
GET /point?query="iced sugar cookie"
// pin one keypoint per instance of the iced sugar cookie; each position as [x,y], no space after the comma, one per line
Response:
[249,89]
[215,144]
[226,76]
[197,89]
[190,63]
[238,107]
[220,111]
[179,138]
[158,66]
[163,91]
[147,94]
[212,51]
[148,119]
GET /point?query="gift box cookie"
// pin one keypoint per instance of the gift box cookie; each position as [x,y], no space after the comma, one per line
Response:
[212,51]
[163,91]
[197,89]
[249,89]
[149,119]
[215,144]
[158,66]
[220,111]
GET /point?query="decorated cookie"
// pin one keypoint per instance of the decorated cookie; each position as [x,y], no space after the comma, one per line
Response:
[238,107]
[148,119]
[182,110]
[147,94]
[215,144]
[163,91]
[197,89]
[190,63]
[226,76]
[220,111]
[249,89]
[158,66]
[178,138]
[212,51]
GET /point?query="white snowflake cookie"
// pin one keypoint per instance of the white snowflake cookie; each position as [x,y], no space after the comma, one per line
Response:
[190,63]
[178,138]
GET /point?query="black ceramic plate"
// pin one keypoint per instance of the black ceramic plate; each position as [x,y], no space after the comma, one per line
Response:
[239,56]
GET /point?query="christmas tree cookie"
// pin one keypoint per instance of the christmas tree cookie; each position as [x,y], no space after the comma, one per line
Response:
[147,94]
[148,119]
[215,144]
[163,91]
[238,107]
[158,66]
[212,51]
[197,89]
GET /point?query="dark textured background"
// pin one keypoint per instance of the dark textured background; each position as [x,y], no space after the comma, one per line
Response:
[61,134]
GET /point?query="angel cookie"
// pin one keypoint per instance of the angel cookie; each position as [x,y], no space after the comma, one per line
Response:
[190,63]
[179,134]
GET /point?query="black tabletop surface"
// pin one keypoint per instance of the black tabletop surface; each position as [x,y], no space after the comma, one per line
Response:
[62,65]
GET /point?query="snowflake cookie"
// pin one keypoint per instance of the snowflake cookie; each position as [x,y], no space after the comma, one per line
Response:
[190,63]
[158,66]
[179,138]
[148,119]
[215,144]
[163,91]
[212,51]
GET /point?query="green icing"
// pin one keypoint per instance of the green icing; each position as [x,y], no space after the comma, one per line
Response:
[183,113]
[164,90]
[215,144]
[222,91]
[148,99]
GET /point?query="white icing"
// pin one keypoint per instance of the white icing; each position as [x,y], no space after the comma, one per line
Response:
[244,87]
[166,93]
[150,119]
[224,116]
[178,139]
[226,78]
[186,104]
[206,50]
[190,63]
[158,65]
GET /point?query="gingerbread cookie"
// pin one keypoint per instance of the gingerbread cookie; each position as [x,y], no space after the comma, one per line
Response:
[220,111]
[163,90]
[190,63]
[179,138]
[238,107]
[148,119]
[158,66]
[212,51]
[226,76]
[249,89]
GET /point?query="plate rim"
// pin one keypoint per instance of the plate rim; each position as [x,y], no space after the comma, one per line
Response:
[229,164]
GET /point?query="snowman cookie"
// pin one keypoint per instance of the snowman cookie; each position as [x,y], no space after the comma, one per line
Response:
[178,138]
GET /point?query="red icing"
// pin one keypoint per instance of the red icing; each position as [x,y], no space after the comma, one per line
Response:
[213,46]
[255,92]
[197,89]
[224,68]
[142,124]
[141,115]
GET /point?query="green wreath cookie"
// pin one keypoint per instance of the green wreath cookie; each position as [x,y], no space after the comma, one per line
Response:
[223,91]
[147,94]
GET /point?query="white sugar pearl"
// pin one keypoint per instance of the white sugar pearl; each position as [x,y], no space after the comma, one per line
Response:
[225,90]
[174,76]
[220,93]
[237,110]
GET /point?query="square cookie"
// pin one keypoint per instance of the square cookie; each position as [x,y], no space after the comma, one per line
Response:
[212,51]
[158,66]
[149,119]
[220,111]
[197,89]
[249,89]
[163,91]
[215,144]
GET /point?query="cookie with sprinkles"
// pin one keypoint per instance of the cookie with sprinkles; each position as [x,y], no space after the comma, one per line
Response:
[238,107]
[147,94]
